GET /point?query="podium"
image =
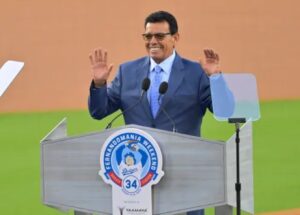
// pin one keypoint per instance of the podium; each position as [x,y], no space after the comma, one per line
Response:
[199,173]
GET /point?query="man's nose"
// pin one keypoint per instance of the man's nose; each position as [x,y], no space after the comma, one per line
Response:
[153,40]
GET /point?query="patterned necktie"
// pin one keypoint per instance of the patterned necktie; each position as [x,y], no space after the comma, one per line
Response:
[154,93]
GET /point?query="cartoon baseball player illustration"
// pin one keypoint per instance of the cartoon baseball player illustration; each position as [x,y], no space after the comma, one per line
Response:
[131,159]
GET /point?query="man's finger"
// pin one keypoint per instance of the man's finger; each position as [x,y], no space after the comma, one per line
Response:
[212,53]
[105,56]
[100,55]
[217,57]
[208,53]
[96,57]
[110,68]
[205,53]
[91,59]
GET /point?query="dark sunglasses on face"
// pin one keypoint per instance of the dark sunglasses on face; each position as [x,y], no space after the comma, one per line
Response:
[158,36]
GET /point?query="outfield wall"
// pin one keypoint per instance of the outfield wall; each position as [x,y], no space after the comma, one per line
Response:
[54,38]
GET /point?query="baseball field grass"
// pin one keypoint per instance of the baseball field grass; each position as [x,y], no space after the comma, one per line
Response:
[276,155]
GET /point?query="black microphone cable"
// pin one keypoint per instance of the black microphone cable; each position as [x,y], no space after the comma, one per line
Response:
[145,87]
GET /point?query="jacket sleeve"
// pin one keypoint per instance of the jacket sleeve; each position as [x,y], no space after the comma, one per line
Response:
[204,93]
[223,98]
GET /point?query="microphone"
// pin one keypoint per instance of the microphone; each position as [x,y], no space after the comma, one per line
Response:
[163,88]
[145,87]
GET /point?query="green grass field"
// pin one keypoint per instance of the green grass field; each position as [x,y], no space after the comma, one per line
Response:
[276,155]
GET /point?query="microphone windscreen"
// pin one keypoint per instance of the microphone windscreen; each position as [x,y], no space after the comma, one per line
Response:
[163,88]
[146,84]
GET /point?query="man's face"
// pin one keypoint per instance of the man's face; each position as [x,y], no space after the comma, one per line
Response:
[160,48]
[129,161]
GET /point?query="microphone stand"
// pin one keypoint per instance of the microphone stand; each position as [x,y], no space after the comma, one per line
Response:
[122,112]
[238,185]
[145,87]
[162,90]
[111,122]
[172,121]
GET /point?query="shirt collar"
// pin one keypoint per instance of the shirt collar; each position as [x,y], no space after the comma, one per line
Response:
[166,65]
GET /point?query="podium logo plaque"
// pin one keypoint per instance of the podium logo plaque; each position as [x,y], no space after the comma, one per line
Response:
[131,161]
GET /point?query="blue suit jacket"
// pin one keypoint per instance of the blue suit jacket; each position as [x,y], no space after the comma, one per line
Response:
[186,100]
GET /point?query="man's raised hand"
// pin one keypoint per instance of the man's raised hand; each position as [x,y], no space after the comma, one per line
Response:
[211,63]
[99,67]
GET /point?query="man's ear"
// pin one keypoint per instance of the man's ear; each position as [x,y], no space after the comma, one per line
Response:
[176,37]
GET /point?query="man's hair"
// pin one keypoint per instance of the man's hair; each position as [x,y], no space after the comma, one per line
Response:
[130,154]
[161,16]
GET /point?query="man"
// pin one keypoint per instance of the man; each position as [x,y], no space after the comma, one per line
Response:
[188,94]
[127,159]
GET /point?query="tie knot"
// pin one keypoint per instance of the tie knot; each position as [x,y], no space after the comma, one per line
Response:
[157,69]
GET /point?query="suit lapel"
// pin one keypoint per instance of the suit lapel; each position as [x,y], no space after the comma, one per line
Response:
[175,80]
[142,73]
